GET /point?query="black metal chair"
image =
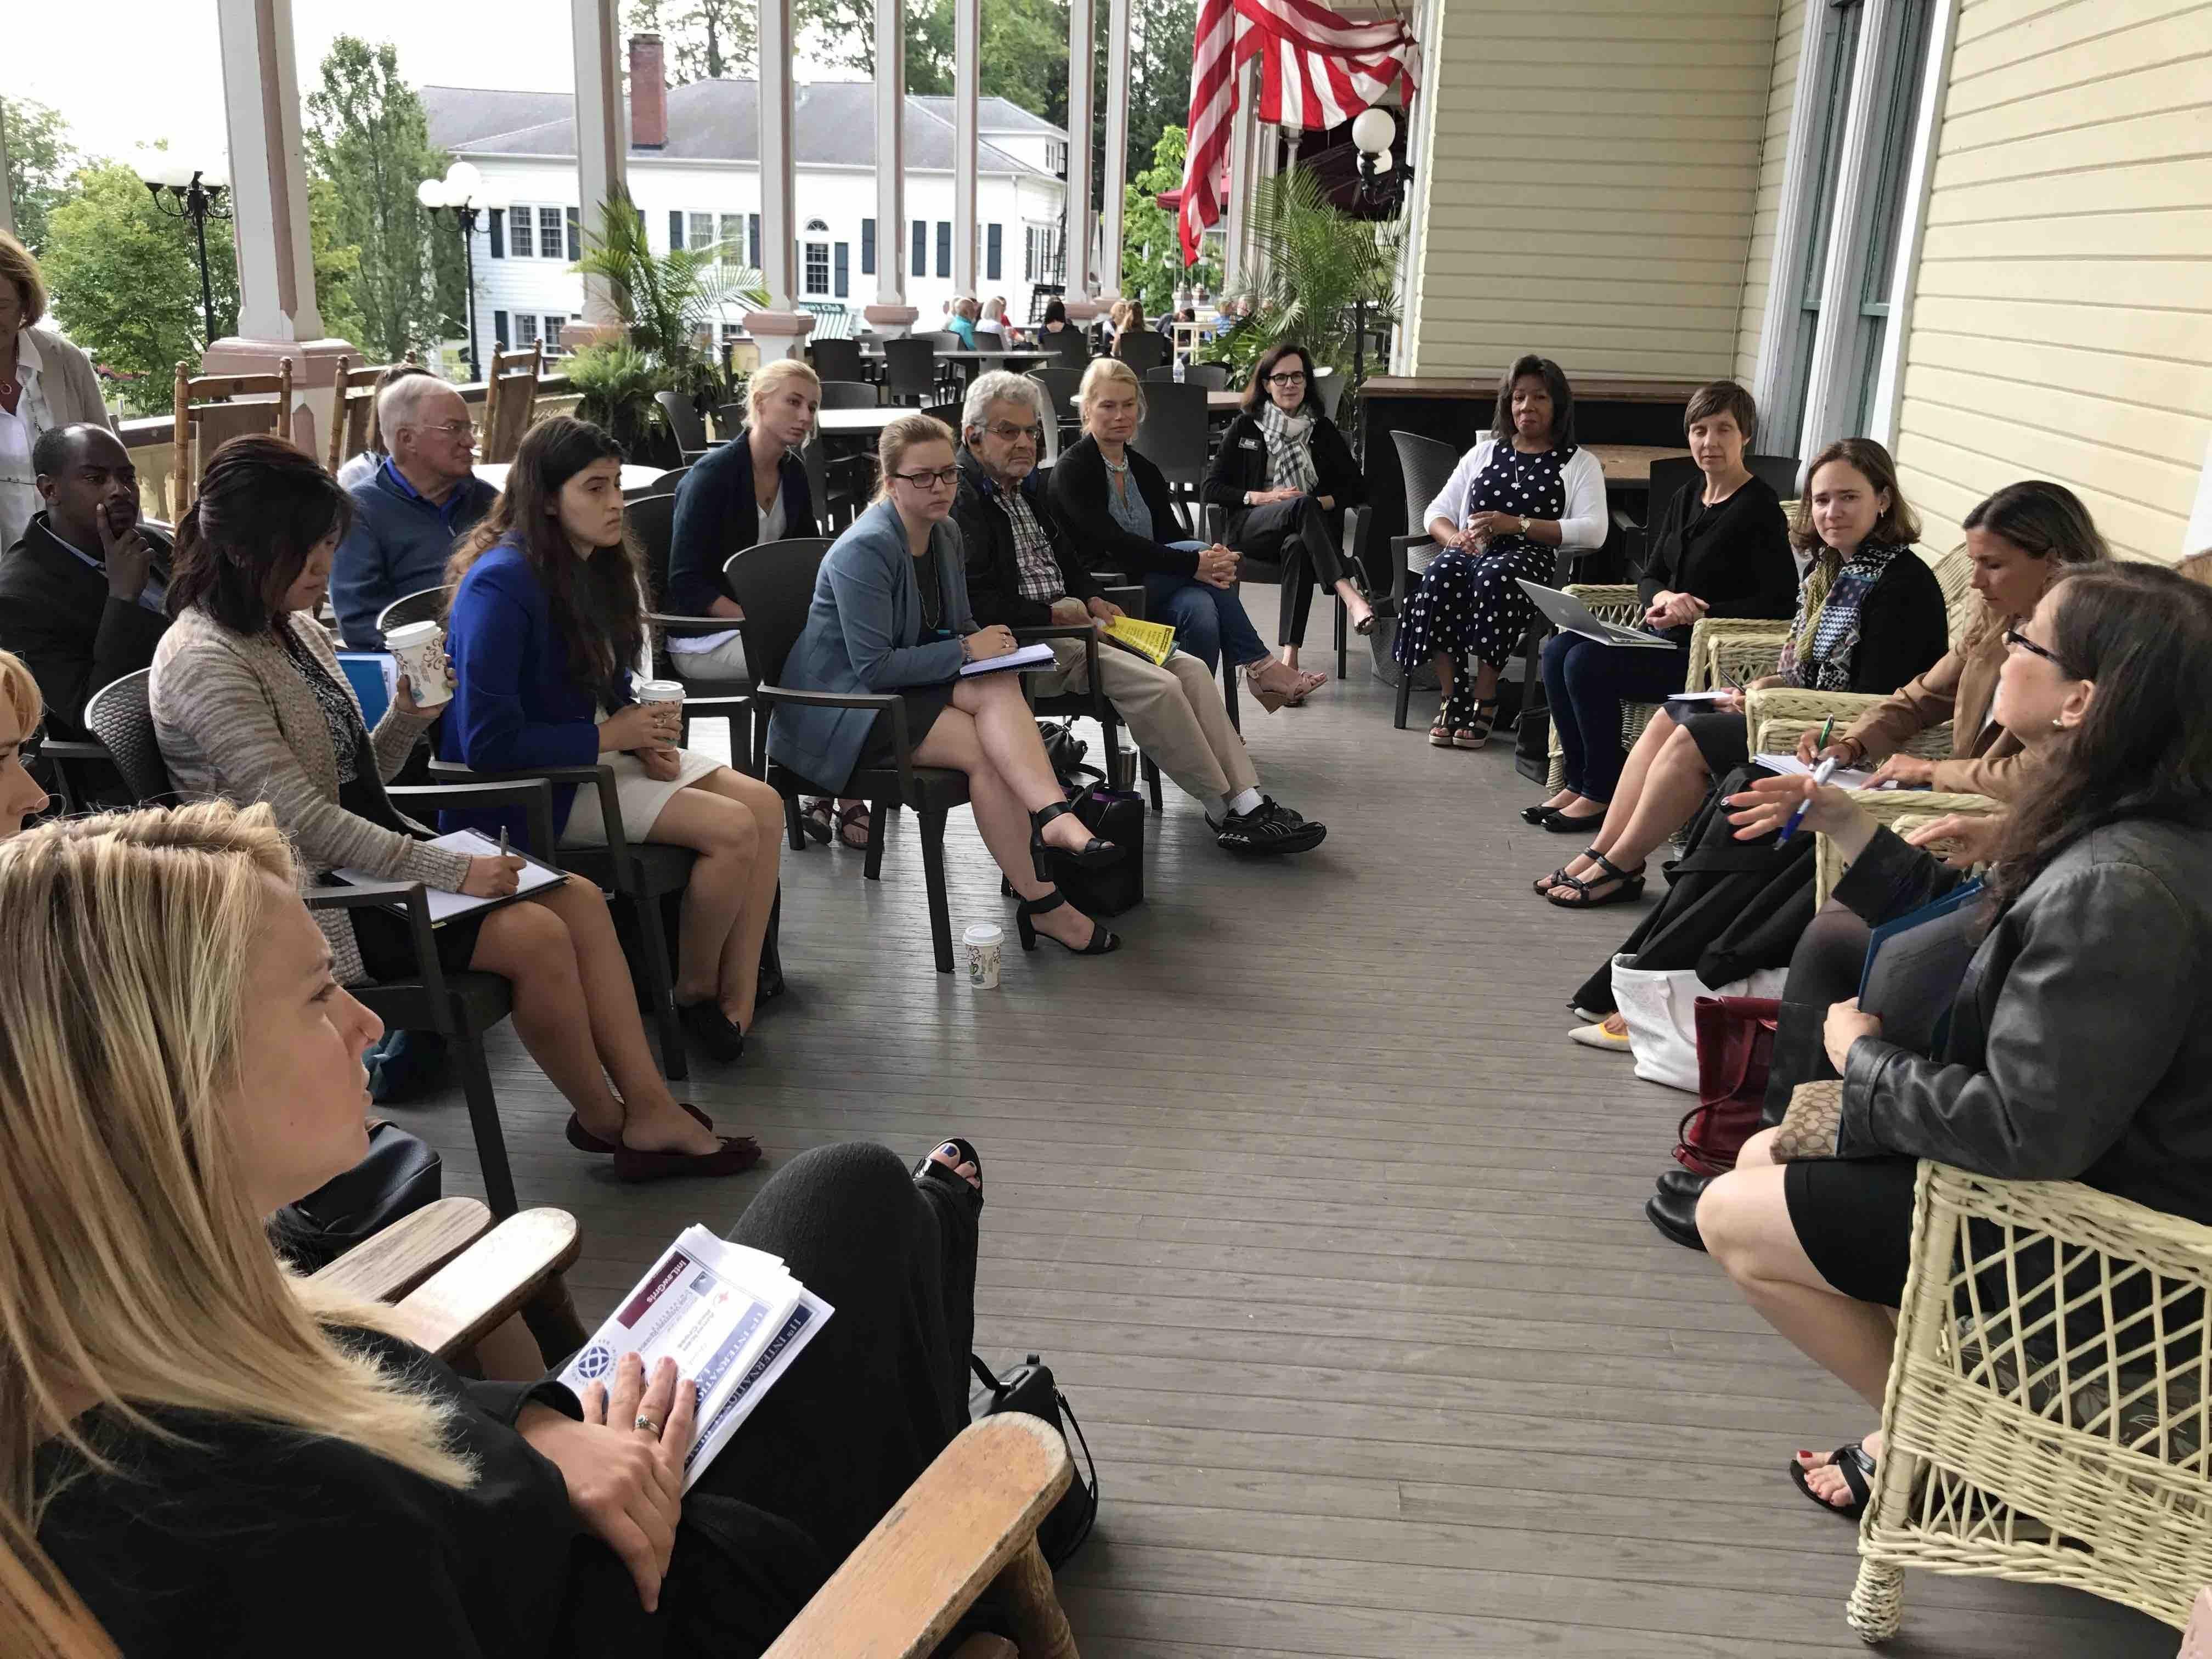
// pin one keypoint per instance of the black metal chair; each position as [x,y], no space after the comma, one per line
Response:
[849,394]
[836,359]
[1357,520]
[1072,345]
[652,520]
[1172,437]
[1214,377]
[1667,478]
[424,605]
[1143,350]
[1425,467]
[910,370]
[683,418]
[729,418]
[775,586]
[461,1007]
[666,484]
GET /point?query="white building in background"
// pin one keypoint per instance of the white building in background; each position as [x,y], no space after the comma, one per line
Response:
[694,174]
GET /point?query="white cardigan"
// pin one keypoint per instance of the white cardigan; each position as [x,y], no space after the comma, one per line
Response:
[1584,523]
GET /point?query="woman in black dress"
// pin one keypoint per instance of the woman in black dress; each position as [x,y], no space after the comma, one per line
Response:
[1515,500]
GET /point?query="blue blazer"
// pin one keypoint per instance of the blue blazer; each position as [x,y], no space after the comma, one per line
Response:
[863,633]
[515,703]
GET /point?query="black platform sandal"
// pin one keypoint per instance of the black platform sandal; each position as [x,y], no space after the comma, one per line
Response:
[1476,733]
[1628,886]
[1092,855]
[1101,939]
[963,1152]
[1560,877]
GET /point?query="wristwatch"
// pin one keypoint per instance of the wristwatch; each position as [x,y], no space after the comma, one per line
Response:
[1524,524]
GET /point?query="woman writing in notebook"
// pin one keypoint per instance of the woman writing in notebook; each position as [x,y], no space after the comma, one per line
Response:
[248,702]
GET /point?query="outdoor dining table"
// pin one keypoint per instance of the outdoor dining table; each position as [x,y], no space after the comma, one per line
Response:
[1629,465]
[635,480]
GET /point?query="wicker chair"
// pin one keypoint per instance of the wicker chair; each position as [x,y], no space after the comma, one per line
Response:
[1621,603]
[1900,809]
[2018,1447]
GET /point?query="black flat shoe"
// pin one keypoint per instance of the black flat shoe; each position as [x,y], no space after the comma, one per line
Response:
[1538,813]
[1682,1183]
[769,985]
[1092,854]
[1562,823]
[1676,1215]
[585,1141]
[1102,940]
[714,1032]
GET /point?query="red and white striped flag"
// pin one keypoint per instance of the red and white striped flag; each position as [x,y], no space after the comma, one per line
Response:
[1316,70]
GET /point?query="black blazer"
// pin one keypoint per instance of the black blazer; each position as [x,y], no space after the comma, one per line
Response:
[1734,557]
[1904,626]
[717,515]
[56,613]
[994,590]
[1083,494]
[1241,463]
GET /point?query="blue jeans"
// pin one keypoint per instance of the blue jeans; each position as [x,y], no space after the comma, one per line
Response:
[1208,620]
[1587,683]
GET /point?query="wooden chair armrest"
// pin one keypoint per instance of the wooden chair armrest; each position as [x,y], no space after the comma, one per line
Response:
[475,1292]
[967,1516]
[395,1262]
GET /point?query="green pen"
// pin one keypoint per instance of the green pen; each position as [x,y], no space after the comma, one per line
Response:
[1828,726]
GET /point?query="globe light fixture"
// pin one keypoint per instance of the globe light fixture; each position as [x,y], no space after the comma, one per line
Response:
[1373,132]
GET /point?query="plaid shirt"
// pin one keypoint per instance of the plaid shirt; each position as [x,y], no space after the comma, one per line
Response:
[1039,569]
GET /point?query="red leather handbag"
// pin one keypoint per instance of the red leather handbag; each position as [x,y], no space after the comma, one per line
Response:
[1735,1045]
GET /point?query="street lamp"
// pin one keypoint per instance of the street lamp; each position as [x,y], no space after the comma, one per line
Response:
[459,193]
[193,194]
[1373,132]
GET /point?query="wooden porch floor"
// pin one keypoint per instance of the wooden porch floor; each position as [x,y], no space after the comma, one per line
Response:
[1332,1236]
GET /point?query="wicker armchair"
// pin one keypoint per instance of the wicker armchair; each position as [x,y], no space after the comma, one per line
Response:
[1900,809]
[2018,1447]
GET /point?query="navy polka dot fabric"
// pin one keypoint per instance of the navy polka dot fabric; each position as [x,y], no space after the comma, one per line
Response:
[1470,604]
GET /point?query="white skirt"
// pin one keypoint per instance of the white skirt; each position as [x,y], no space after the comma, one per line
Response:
[643,798]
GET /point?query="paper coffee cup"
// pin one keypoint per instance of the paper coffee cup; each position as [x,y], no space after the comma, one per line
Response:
[660,691]
[983,941]
[420,650]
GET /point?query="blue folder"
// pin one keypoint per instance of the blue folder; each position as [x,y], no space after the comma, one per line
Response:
[374,676]
[1914,966]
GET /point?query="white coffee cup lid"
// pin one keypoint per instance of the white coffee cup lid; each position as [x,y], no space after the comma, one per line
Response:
[984,932]
[660,691]
[414,632]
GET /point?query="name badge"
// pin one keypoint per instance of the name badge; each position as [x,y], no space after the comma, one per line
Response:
[1249,443]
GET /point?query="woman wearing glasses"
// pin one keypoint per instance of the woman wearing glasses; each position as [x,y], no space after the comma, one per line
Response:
[1283,475]
[890,614]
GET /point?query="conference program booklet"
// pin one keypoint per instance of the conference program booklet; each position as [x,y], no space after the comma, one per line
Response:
[532,877]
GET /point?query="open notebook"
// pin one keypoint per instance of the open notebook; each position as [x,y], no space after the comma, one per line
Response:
[444,907]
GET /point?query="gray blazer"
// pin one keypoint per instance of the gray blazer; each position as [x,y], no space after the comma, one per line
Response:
[863,634]
[2081,1040]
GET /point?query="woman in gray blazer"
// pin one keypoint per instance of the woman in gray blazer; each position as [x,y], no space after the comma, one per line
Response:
[890,613]
[2080,1034]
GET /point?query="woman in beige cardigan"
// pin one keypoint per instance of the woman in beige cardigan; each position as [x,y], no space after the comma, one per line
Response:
[248,702]
[44,382]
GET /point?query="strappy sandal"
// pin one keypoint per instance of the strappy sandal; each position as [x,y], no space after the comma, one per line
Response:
[1851,1463]
[849,817]
[1308,683]
[1560,877]
[1268,697]
[1477,732]
[816,819]
[1093,854]
[928,1169]
[1104,940]
[1628,886]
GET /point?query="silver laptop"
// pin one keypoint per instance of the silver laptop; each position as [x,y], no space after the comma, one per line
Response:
[1570,614]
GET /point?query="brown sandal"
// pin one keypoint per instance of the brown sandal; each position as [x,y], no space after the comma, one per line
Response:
[848,818]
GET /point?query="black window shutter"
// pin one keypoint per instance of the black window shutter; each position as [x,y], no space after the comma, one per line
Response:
[843,277]
[499,328]
[867,247]
[944,247]
[921,247]
[675,228]
[752,241]
[498,233]
[576,236]
[993,245]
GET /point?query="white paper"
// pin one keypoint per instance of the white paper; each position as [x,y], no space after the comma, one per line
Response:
[445,905]
[698,645]
[1028,656]
[1790,767]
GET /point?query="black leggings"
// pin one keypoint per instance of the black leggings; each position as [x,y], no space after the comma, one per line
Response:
[1825,969]
[1308,540]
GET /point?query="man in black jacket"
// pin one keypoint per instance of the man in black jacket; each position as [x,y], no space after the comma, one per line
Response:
[80,594]
[1022,573]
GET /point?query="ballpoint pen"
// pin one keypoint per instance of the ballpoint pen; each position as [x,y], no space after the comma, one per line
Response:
[1827,727]
[1821,774]
[502,841]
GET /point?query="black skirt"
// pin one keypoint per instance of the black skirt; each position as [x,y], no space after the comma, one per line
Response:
[924,704]
[388,943]
[1854,1217]
[1723,739]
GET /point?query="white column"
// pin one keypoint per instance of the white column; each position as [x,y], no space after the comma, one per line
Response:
[1243,167]
[1116,172]
[602,146]
[1080,303]
[967,78]
[780,330]
[277,316]
[890,314]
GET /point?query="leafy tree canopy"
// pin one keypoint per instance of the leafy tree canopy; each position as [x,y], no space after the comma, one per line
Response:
[704,40]
[40,159]
[1152,251]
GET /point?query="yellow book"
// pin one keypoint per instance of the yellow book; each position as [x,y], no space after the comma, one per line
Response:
[1154,642]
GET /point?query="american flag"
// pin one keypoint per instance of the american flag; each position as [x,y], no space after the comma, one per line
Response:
[1316,70]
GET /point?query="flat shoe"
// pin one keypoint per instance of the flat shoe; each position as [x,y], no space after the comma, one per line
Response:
[1562,823]
[585,1141]
[737,1154]
[1596,1037]
[714,1031]
[1676,1215]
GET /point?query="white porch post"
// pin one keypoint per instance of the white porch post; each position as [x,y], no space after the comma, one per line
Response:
[1080,303]
[780,330]
[1243,165]
[602,150]
[1116,173]
[891,315]
[967,80]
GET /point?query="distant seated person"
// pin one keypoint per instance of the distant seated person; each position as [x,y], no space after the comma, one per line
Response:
[359,469]
[1024,571]
[81,593]
[221,1456]
[1720,547]
[413,509]
[961,320]
[21,796]
[1129,323]
[1055,321]
[1284,477]
[991,328]
[1114,505]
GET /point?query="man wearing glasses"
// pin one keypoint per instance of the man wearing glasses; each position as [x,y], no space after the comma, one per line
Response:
[1022,573]
[409,513]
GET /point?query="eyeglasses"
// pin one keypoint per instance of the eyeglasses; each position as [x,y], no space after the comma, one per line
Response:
[943,477]
[2020,641]
[450,428]
[1007,432]
[1295,377]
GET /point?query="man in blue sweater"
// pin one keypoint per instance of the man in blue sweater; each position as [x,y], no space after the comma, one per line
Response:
[411,511]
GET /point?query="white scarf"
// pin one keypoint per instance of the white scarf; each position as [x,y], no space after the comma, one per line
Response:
[1290,457]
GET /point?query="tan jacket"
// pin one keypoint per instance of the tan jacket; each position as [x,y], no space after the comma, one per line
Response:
[234,717]
[1985,758]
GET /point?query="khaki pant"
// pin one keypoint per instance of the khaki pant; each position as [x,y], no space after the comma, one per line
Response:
[1175,714]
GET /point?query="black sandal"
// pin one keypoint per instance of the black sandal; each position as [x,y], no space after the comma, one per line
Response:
[815,819]
[1560,877]
[1851,1463]
[1102,940]
[1092,855]
[964,1152]
[1629,888]
[1477,731]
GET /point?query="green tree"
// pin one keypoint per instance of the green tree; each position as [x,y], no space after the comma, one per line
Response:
[1162,34]
[40,159]
[842,32]
[337,265]
[370,139]
[1152,251]
[705,39]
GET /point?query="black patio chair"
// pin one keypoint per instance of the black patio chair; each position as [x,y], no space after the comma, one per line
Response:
[910,370]
[1426,466]
[682,417]
[836,359]
[1249,569]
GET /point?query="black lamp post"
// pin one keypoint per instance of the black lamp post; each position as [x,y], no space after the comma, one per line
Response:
[456,194]
[1373,132]
[193,197]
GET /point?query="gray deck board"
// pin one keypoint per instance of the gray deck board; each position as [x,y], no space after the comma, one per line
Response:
[1332,1236]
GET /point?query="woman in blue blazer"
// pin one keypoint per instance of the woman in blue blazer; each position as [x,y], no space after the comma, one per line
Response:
[545,620]
[890,613]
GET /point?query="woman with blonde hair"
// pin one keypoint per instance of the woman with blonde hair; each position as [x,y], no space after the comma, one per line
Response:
[890,614]
[219,1455]
[20,794]
[46,384]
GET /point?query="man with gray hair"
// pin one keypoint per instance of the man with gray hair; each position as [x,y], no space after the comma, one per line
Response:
[1022,573]
[409,513]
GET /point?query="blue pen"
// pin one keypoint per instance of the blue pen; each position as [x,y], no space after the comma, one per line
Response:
[1821,774]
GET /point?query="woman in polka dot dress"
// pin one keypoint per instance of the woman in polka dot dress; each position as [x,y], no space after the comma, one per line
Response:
[1518,496]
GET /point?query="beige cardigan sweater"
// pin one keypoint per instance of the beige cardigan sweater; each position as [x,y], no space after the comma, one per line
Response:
[235,718]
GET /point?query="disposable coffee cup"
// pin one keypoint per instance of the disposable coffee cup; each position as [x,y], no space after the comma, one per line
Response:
[660,691]
[420,649]
[983,941]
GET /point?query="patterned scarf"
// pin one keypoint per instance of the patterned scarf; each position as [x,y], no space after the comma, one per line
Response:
[1290,459]
[1824,636]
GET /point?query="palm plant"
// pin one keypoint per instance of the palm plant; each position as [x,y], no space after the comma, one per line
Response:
[616,382]
[1317,264]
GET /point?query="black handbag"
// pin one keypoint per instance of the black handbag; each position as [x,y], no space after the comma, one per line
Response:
[399,1177]
[1114,815]
[1029,1388]
[1066,751]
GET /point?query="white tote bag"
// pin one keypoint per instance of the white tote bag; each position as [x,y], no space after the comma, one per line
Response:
[1660,1009]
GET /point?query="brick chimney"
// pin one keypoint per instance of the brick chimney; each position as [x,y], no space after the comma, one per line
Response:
[648,93]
